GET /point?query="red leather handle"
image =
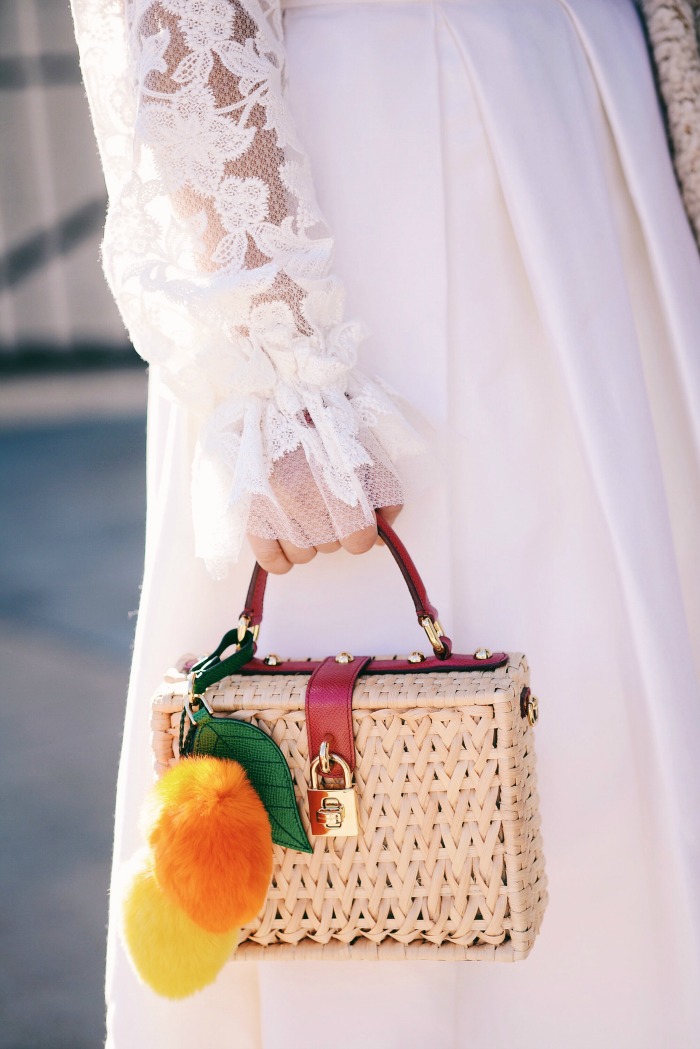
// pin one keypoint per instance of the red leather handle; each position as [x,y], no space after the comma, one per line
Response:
[255,596]
[253,610]
[409,571]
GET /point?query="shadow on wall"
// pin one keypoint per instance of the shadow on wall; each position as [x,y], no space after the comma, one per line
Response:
[54,302]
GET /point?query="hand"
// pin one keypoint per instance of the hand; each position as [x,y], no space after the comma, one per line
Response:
[278,556]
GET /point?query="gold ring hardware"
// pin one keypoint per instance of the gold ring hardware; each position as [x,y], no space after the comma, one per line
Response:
[416,657]
[324,757]
[244,625]
[272,660]
[191,698]
[344,657]
[433,630]
[533,709]
[482,653]
[194,702]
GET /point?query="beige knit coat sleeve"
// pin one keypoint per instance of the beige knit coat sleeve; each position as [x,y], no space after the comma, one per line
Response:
[672,29]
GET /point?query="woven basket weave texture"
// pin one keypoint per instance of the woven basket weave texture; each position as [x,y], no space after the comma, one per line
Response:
[448,864]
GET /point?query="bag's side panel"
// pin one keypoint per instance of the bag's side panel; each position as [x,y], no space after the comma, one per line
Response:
[529,906]
[523,862]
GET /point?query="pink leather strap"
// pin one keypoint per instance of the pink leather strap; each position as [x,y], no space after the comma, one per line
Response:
[329,708]
[256,591]
[255,596]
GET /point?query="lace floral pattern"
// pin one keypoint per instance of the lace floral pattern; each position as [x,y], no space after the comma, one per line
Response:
[220,262]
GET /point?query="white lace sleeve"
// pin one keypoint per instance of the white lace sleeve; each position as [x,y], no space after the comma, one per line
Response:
[220,263]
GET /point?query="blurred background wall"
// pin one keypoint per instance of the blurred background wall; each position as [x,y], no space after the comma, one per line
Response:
[54,301]
[72,476]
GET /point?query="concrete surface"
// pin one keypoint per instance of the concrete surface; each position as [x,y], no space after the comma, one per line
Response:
[71,549]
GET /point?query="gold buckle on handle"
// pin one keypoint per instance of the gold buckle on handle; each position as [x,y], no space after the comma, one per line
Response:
[244,626]
[433,630]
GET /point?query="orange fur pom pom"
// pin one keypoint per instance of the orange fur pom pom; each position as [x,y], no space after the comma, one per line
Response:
[211,842]
[169,952]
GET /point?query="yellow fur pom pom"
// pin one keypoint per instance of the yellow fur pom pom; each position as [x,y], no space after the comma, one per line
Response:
[170,953]
[211,842]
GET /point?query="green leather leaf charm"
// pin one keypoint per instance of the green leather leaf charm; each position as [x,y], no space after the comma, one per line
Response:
[265,766]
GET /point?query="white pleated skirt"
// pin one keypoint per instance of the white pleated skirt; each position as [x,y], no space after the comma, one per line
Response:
[508,225]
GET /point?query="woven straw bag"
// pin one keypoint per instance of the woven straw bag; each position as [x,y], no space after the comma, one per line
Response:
[447,863]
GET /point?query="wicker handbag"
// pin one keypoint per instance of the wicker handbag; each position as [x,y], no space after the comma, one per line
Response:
[445,860]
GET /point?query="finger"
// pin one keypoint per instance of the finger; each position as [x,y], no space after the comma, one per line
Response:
[327,548]
[269,554]
[297,555]
[389,513]
[361,541]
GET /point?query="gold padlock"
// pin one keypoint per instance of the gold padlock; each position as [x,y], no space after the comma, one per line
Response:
[333,812]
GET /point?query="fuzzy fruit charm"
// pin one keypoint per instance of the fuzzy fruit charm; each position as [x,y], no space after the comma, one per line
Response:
[170,953]
[211,840]
[205,874]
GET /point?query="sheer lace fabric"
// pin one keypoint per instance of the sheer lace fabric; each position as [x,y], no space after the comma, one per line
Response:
[220,262]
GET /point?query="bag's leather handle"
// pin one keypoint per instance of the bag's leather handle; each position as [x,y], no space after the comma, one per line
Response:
[251,616]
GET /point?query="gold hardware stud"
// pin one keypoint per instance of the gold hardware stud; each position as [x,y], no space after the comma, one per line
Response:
[416,657]
[344,657]
[482,653]
[533,709]
[273,660]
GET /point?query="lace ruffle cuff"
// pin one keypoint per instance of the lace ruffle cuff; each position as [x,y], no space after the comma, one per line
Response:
[302,447]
